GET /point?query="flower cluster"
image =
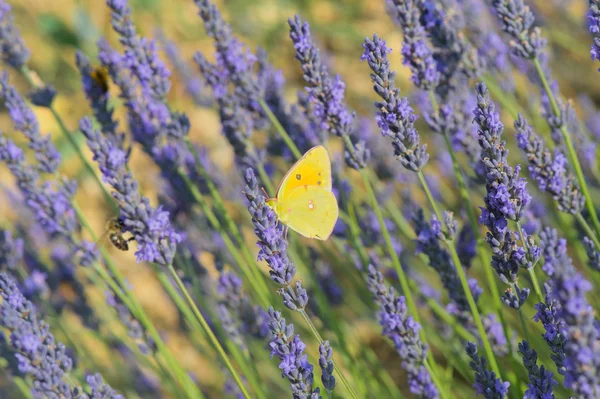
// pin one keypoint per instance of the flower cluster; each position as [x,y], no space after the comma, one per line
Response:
[593,17]
[486,382]
[569,319]
[395,116]
[403,330]
[294,365]
[326,94]
[541,381]
[14,51]
[156,239]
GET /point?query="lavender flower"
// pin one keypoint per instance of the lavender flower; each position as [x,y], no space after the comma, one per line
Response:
[43,96]
[415,49]
[592,253]
[290,351]
[549,171]
[506,197]
[99,99]
[568,316]
[101,390]
[134,329]
[486,383]
[273,245]
[326,94]
[14,51]
[235,61]
[517,20]
[541,381]
[25,121]
[395,117]
[326,364]
[403,330]
[11,250]
[593,17]
[156,239]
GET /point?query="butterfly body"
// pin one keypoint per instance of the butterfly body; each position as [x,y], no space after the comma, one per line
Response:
[304,201]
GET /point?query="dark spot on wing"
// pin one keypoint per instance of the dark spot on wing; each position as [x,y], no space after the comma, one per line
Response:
[319,173]
[298,176]
[319,182]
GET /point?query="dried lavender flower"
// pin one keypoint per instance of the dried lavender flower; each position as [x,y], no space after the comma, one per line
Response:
[43,96]
[395,116]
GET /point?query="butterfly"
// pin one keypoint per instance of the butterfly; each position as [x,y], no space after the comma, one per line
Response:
[304,201]
[100,77]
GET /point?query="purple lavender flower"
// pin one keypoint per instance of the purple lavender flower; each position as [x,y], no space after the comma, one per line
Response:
[25,121]
[100,389]
[14,51]
[395,117]
[43,96]
[38,353]
[506,197]
[273,245]
[549,171]
[593,17]
[592,253]
[326,94]
[517,20]
[403,330]
[486,383]
[415,49]
[156,239]
[294,364]
[569,319]
[541,381]
[326,364]
[235,61]
[11,250]
[99,99]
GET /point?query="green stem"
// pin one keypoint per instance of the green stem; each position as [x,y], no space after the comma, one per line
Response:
[211,335]
[286,138]
[531,270]
[524,325]
[570,150]
[22,385]
[588,230]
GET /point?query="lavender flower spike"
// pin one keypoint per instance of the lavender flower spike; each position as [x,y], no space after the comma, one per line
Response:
[326,364]
[517,20]
[549,171]
[326,94]
[415,50]
[25,121]
[403,330]
[14,51]
[593,17]
[486,383]
[506,198]
[37,351]
[290,351]
[541,381]
[156,239]
[395,117]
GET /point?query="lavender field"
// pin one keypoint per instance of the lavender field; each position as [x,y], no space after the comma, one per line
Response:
[142,254]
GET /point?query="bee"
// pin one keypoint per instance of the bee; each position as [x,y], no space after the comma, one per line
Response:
[114,232]
[100,76]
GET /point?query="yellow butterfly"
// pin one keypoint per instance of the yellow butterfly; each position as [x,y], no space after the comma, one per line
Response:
[304,200]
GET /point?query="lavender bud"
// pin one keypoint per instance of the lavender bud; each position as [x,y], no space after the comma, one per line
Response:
[486,383]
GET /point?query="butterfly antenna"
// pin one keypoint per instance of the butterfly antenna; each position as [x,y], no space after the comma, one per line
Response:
[263,190]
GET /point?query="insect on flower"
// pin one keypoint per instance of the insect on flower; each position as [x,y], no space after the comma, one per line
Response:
[100,77]
[114,233]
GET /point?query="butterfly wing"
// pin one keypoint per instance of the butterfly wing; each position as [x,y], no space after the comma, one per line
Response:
[313,169]
[312,211]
